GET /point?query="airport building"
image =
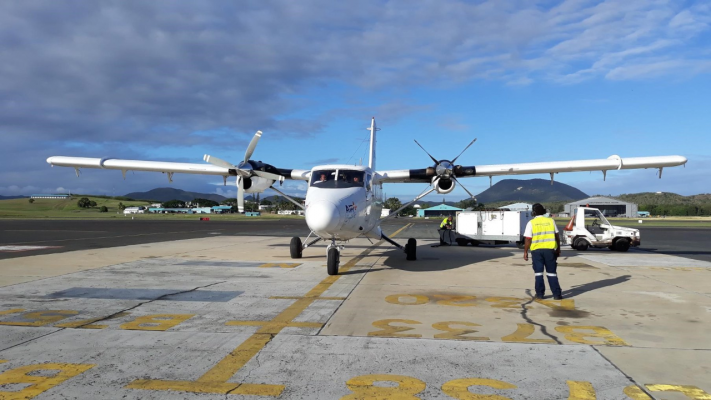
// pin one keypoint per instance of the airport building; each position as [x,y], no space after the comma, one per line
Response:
[441,210]
[50,196]
[609,207]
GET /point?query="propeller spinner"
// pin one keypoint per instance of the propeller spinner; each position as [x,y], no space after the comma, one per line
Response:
[445,169]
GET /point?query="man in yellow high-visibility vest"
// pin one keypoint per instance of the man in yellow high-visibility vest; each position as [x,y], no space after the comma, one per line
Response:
[542,239]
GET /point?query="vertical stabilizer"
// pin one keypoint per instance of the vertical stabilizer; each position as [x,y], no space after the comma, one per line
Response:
[371,158]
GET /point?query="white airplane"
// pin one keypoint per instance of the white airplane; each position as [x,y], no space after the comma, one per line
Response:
[344,202]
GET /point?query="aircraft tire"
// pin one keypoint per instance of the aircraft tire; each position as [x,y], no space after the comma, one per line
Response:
[462,242]
[332,261]
[411,249]
[296,248]
[622,245]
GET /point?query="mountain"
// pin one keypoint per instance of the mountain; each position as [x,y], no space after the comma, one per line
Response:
[166,194]
[665,198]
[530,191]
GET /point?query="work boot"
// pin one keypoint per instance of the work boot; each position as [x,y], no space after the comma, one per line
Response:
[558,297]
[539,297]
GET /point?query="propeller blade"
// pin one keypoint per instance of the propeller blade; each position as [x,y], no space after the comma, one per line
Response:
[463,187]
[252,146]
[268,175]
[423,149]
[465,149]
[240,194]
[217,161]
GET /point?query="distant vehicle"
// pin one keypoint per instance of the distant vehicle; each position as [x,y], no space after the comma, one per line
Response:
[491,227]
[599,233]
[134,210]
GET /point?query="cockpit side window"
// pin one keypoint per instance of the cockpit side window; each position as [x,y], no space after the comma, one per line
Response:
[368,182]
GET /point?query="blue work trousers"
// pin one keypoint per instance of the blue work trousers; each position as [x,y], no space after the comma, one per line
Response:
[545,258]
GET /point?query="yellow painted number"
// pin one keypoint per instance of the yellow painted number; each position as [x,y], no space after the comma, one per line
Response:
[689,391]
[156,322]
[363,387]
[506,302]
[456,301]
[459,389]
[578,334]
[41,318]
[407,299]
[456,333]
[522,333]
[581,391]
[27,375]
[392,331]
[635,393]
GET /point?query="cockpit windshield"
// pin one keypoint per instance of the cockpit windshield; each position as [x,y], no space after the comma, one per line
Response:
[332,179]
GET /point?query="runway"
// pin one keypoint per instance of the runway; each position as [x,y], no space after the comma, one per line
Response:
[211,310]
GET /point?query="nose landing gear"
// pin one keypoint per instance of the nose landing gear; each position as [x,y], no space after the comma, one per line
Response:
[333,258]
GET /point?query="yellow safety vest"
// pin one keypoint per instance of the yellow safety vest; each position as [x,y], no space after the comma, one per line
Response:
[444,222]
[543,233]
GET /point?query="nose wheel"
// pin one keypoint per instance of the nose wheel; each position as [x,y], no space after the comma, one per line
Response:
[333,258]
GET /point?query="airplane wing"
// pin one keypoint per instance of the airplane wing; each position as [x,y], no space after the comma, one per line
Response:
[170,167]
[551,167]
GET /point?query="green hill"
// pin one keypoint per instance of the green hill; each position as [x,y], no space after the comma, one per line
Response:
[21,208]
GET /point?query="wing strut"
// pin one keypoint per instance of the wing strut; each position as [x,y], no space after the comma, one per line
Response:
[288,198]
[423,194]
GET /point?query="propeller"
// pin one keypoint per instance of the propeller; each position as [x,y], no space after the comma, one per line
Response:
[445,169]
[244,169]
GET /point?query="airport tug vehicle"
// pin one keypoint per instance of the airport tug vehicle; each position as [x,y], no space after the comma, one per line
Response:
[598,233]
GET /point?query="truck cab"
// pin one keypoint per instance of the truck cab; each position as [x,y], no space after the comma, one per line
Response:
[588,227]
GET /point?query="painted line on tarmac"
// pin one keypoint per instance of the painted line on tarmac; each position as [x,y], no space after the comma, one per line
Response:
[216,379]
[115,237]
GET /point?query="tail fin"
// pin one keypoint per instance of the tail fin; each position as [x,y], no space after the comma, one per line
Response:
[372,129]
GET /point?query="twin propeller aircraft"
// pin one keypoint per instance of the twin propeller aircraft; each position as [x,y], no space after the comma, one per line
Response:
[344,202]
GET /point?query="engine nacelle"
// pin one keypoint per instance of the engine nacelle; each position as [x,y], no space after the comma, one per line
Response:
[256,184]
[443,186]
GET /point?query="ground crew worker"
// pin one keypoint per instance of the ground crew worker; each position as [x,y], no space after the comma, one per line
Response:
[445,228]
[542,239]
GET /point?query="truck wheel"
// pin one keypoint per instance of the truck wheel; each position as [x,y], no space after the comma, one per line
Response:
[462,242]
[474,243]
[295,248]
[622,245]
[580,244]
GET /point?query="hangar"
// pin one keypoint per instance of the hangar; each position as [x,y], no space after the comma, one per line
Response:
[441,210]
[608,206]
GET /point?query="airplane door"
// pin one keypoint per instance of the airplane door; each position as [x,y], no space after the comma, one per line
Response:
[368,193]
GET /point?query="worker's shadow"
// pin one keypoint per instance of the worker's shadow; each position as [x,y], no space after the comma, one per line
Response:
[590,286]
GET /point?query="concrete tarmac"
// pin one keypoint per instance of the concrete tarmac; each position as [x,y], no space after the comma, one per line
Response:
[231,315]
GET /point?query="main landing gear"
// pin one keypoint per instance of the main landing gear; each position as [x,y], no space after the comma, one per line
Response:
[333,251]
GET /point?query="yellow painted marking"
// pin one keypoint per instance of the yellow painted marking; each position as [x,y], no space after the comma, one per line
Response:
[456,301]
[506,302]
[89,323]
[38,384]
[215,380]
[279,265]
[300,297]
[42,318]
[274,327]
[459,388]
[388,330]
[407,299]
[565,304]
[522,333]
[457,334]
[574,334]
[3,361]
[635,393]
[689,391]
[156,322]
[581,391]
[13,311]
[363,387]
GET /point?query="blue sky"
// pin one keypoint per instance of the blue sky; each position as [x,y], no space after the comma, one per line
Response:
[533,81]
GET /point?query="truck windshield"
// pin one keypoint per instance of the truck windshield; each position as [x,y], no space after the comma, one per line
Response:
[332,179]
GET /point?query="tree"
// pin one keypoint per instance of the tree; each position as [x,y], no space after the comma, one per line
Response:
[31,201]
[84,202]
[392,203]
[121,207]
[409,210]
[92,203]
[103,209]
[266,202]
[173,204]
[467,203]
[229,202]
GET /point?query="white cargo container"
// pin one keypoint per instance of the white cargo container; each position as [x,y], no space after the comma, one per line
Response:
[496,227]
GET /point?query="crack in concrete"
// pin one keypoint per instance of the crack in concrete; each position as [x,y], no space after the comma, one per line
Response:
[29,340]
[524,314]
[644,389]
[108,317]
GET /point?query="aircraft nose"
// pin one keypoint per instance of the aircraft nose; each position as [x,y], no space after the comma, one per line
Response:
[323,216]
